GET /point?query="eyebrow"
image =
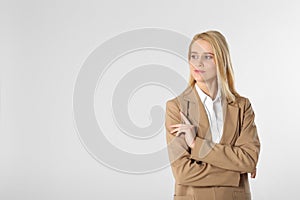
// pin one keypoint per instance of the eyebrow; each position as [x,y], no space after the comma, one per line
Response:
[204,52]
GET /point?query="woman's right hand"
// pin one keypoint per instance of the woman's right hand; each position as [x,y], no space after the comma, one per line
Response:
[186,129]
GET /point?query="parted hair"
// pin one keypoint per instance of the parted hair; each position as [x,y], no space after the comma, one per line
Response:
[222,59]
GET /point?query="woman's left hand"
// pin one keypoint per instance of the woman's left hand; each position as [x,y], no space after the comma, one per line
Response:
[253,174]
[187,128]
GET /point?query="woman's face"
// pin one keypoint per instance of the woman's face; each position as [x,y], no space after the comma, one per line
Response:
[202,62]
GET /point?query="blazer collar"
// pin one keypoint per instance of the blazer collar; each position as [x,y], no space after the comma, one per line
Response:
[198,115]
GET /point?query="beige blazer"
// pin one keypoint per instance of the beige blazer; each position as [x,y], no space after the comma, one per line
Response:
[212,171]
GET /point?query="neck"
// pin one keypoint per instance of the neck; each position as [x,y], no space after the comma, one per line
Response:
[210,88]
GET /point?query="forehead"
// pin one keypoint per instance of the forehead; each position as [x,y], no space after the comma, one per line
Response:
[201,46]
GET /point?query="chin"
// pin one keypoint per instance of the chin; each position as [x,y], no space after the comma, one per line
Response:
[199,79]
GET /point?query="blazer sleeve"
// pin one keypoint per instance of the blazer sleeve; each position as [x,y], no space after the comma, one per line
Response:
[242,156]
[186,170]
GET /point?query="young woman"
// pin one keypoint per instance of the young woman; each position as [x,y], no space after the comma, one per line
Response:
[211,134]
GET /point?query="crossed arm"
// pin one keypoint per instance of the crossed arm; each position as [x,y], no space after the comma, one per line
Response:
[217,160]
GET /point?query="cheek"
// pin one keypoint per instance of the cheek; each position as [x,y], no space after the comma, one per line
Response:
[212,68]
[191,65]
[191,68]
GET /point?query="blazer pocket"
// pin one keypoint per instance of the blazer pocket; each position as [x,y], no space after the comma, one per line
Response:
[185,197]
[239,195]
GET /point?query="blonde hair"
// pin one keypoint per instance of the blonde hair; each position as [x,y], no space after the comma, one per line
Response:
[223,62]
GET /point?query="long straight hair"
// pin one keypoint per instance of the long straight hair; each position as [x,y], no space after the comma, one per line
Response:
[222,58]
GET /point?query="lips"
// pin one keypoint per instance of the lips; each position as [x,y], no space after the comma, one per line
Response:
[199,71]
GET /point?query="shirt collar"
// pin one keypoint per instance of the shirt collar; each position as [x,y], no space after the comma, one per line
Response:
[203,96]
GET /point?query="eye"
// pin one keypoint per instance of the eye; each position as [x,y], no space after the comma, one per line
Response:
[208,57]
[194,56]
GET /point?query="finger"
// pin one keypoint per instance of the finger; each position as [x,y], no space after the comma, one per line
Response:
[175,130]
[176,125]
[253,174]
[179,133]
[184,118]
[183,126]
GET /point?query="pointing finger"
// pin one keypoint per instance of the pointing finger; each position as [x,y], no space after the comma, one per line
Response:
[185,119]
[176,125]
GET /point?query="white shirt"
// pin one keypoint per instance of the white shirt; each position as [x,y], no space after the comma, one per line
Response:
[214,113]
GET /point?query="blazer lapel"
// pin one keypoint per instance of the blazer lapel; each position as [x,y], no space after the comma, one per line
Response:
[231,122]
[194,108]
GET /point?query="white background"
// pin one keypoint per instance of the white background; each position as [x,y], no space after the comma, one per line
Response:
[43,45]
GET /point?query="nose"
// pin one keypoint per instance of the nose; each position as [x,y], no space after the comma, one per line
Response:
[200,64]
[197,62]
